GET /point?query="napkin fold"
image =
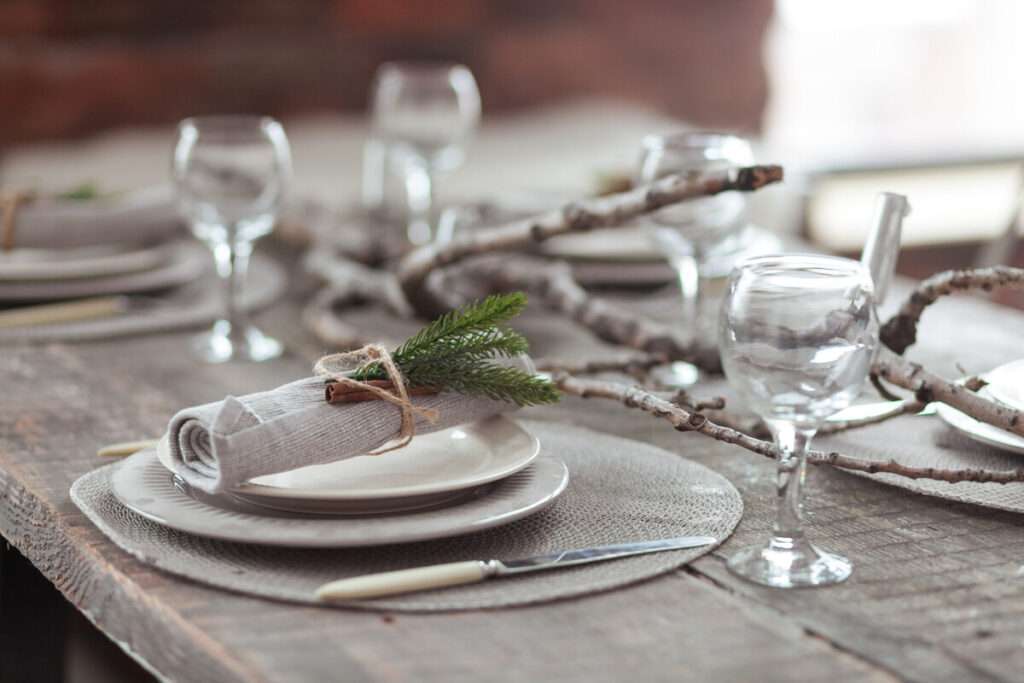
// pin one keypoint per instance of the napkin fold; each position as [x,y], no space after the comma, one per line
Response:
[217,446]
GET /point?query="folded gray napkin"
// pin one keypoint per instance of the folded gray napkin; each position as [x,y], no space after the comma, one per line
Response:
[143,217]
[217,446]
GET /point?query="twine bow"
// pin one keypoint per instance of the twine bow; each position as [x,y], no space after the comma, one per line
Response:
[9,205]
[339,367]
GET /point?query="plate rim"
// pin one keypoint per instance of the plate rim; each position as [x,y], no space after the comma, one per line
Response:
[185,262]
[211,524]
[966,425]
[88,268]
[653,257]
[279,493]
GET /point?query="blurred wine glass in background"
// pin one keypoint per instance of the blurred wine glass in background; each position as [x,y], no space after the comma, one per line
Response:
[423,115]
[230,175]
[688,231]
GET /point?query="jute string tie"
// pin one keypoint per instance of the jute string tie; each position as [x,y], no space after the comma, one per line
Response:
[339,367]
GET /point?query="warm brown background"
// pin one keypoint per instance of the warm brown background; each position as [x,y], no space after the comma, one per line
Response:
[73,67]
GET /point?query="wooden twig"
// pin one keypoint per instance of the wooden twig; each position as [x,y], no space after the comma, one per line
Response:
[352,282]
[552,282]
[689,421]
[900,331]
[928,387]
[580,216]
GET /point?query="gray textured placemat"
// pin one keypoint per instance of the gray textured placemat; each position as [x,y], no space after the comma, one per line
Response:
[921,441]
[619,491]
[194,305]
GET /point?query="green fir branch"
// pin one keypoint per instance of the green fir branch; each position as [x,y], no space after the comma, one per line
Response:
[457,351]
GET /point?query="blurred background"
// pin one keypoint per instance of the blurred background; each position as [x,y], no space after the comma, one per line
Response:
[921,96]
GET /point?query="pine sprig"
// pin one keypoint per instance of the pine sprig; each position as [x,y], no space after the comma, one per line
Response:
[480,316]
[457,351]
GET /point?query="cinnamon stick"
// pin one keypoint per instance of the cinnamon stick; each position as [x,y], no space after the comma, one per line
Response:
[335,392]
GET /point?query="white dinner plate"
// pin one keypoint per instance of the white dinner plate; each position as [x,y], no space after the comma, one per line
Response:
[981,432]
[185,262]
[31,265]
[434,468]
[628,256]
[145,486]
[1006,384]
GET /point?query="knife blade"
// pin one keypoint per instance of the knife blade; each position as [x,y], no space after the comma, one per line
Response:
[473,571]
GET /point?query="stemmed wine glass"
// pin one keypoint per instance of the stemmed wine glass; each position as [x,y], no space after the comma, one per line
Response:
[230,174]
[424,114]
[797,336]
[687,231]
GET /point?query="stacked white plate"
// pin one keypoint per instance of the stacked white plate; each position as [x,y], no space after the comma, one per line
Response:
[118,244]
[628,256]
[31,275]
[1005,385]
[447,483]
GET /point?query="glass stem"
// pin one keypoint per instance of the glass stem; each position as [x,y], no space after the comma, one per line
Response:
[793,442]
[687,269]
[420,189]
[232,260]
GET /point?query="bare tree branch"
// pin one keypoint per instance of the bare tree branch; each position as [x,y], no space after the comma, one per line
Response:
[928,387]
[900,331]
[552,282]
[580,216]
[690,421]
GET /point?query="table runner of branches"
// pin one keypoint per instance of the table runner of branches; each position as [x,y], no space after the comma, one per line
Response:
[439,277]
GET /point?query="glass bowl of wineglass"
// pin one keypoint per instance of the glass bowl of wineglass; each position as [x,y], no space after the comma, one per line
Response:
[424,114]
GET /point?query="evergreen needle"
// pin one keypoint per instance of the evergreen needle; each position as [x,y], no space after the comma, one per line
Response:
[457,352]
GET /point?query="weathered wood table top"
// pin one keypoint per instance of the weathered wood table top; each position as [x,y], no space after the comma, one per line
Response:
[937,593]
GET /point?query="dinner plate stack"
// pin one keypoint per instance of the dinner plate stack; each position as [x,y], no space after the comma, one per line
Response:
[60,250]
[456,481]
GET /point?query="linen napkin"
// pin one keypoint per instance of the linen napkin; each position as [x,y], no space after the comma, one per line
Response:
[144,217]
[218,446]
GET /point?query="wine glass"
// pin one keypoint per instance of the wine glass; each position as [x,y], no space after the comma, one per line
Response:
[230,173]
[797,336]
[687,231]
[424,114]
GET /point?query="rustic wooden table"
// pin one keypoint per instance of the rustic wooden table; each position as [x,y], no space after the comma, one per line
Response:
[937,594]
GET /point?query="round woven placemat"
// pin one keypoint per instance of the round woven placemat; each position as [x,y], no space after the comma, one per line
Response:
[619,491]
[929,442]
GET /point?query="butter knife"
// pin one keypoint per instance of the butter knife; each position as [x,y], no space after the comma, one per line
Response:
[474,571]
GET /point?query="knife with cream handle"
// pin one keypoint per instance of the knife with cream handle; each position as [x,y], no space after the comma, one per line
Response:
[474,571]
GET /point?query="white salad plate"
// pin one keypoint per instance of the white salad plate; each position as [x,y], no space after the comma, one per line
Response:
[145,486]
[433,469]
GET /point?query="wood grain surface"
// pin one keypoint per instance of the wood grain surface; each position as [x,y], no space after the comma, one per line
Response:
[937,594]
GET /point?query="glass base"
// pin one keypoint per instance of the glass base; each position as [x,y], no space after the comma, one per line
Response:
[789,563]
[678,375]
[219,345]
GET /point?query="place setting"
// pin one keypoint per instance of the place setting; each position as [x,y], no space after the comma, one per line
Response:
[89,264]
[386,461]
